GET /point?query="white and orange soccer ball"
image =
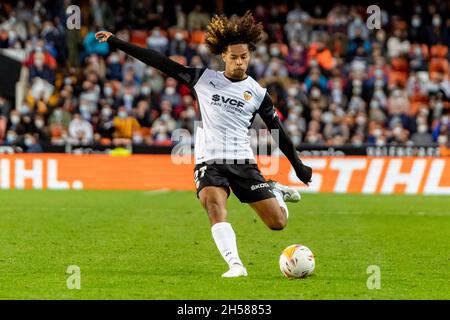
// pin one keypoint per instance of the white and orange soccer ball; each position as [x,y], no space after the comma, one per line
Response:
[297,261]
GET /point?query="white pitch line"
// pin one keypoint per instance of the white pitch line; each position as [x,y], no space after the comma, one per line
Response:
[156,192]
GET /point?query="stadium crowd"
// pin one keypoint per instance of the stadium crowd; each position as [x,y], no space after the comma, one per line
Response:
[333,80]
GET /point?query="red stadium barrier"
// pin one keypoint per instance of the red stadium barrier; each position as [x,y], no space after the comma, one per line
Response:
[386,175]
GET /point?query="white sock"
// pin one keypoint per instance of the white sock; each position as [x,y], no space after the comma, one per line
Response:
[279,197]
[225,239]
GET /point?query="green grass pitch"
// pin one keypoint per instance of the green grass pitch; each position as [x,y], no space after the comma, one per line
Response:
[158,245]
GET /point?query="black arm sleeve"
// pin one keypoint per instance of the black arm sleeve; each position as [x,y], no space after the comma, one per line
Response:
[186,75]
[272,121]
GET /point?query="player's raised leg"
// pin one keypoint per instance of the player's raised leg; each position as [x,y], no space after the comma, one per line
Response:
[274,211]
[271,213]
[214,200]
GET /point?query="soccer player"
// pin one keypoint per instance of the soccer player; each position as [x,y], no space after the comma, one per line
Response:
[228,102]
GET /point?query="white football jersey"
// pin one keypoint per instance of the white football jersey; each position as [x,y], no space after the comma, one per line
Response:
[227,109]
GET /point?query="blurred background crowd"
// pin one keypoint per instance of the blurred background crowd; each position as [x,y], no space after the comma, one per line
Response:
[333,80]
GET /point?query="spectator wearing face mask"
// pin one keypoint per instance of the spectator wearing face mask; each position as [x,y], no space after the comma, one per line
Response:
[12,138]
[158,41]
[13,120]
[42,131]
[416,30]
[170,92]
[32,144]
[143,114]
[178,44]
[436,32]
[125,127]
[105,128]
[422,136]
[80,131]
[41,70]
[441,129]
[113,67]
[59,123]
[164,125]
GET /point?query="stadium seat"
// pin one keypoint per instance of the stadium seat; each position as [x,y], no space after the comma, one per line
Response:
[139,37]
[197,37]
[439,51]
[3,123]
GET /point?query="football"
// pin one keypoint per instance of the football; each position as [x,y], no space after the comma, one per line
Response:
[297,261]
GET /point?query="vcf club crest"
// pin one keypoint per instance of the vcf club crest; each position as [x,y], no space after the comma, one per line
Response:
[247,95]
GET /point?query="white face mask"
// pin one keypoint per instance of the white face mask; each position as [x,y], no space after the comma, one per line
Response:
[261,49]
[24,109]
[190,113]
[315,93]
[327,117]
[377,132]
[397,131]
[415,22]
[442,139]
[296,140]
[336,92]
[28,142]
[108,91]
[39,123]
[422,128]
[378,73]
[202,49]
[146,91]
[380,142]
[85,109]
[292,128]
[38,63]
[15,119]
[170,91]
[361,120]
[11,137]
[179,36]
[374,104]
[292,116]
[292,92]
[114,59]
[164,117]
[123,114]
[274,51]
[106,112]
[418,51]
[436,21]
[128,97]
[137,139]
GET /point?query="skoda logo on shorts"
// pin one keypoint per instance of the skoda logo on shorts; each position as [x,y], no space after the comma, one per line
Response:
[259,186]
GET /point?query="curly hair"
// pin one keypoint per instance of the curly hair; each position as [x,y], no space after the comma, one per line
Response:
[223,31]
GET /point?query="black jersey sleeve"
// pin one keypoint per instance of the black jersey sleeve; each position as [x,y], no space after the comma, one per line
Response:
[186,75]
[272,121]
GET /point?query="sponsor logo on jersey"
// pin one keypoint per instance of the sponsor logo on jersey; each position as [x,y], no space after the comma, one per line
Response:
[230,101]
[247,95]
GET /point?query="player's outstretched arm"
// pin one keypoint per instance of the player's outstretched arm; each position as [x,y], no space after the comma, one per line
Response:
[272,121]
[186,75]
